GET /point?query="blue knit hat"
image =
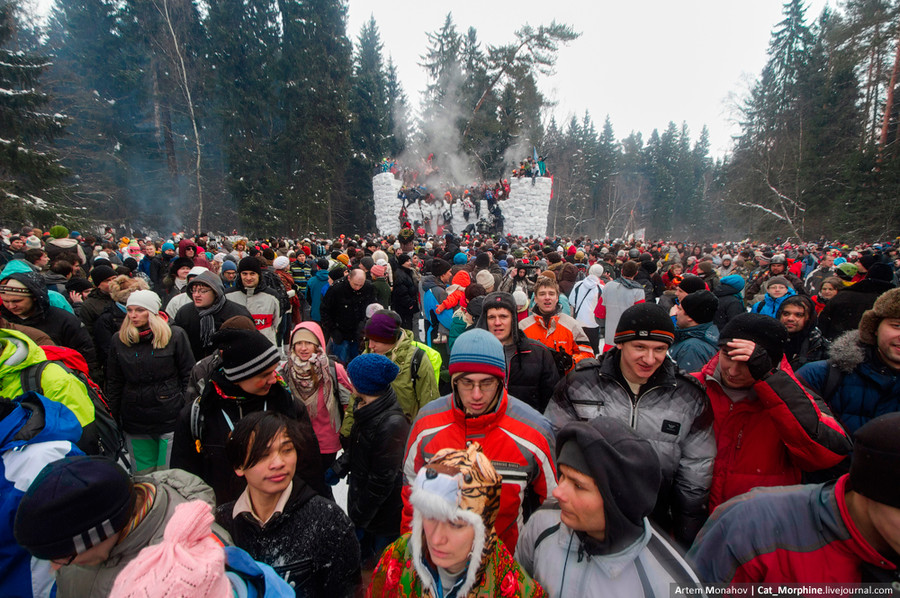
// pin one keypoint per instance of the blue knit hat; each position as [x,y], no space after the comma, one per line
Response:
[734,281]
[168,245]
[371,373]
[478,351]
[228,265]
[460,258]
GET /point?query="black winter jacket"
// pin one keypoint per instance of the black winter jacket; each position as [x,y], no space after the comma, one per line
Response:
[221,406]
[107,326]
[311,544]
[844,311]
[93,306]
[343,310]
[404,297]
[730,305]
[374,459]
[145,386]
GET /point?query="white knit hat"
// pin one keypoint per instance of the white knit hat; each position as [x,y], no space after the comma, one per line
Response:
[146,299]
[281,263]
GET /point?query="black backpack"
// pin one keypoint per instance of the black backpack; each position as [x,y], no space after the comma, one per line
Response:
[103,436]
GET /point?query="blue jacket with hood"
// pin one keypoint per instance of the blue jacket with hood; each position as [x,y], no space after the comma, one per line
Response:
[34,431]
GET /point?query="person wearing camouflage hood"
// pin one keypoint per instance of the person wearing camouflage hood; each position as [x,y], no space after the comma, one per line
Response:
[453,550]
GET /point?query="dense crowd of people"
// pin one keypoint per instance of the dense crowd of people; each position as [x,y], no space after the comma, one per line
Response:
[511,416]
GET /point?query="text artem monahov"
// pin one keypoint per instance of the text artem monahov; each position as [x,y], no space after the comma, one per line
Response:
[748,589]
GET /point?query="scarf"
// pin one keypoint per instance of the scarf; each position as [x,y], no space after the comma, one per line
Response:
[207,320]
[180,284]
[146,493]
[311,378]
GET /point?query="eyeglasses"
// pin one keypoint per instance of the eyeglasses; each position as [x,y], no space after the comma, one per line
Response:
[64,562]
[487,386]
[198,290]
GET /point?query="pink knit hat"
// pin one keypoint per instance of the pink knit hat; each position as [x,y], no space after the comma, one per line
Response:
[188,562]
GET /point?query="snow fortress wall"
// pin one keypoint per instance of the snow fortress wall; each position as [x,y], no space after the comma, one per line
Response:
[525,212]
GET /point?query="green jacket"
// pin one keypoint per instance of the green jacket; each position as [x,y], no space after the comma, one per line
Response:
[173,487]
[410,399]
[17,352]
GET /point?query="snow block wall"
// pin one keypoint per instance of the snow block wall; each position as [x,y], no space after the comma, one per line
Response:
[525,212]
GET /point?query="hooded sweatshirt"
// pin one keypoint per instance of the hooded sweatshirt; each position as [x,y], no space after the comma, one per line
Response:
[189,317]
[199,256]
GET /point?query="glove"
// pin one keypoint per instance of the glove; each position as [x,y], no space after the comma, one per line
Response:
[331,478]
[760,364]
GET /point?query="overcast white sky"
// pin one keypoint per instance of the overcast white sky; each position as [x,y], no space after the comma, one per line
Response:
[642,62]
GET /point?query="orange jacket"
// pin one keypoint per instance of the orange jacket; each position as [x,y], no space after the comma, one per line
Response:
[564,333]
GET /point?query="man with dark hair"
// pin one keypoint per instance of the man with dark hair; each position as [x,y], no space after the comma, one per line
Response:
[758,403]
[253,293]
[532,373]
[805,341]
[637,383]
[206,312]
[844,532]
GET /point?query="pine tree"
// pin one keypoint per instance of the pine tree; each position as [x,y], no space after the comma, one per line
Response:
[30,174]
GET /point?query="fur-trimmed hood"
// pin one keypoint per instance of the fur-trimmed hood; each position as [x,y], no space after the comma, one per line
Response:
[848,351]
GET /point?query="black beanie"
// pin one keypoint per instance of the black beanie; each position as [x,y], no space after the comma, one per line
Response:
[645,322]
[72,505]
[245,353]
[482,261]
[875,465]
[440,267]
[101,273]
[765,331]
[691,283]
[700,306]
[249,264]
[625,468]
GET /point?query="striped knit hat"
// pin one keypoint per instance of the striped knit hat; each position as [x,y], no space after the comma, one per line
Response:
[478,351]
[245,353]
[645,322]
[73,505]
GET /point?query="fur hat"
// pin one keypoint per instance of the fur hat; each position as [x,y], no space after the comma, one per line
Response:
[123,286]
[886,306]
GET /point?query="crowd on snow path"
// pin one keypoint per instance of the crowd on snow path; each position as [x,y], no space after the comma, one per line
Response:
[511,416]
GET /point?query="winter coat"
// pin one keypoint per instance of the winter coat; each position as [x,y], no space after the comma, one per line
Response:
[731,303]
[36,433]
[816,278]
[145,386]
[310,544]
[404,296]
[554,555]
[564,333]
[60,325]
[434,292]
[694,346]
[396,577]
[38,336]
[382,291]
[867,387]
[60,300]
[770,305]
[583,300]
[806,346]
[173,487]
[410,397]
[797,534]
[517,439]
[374,459]
[263,305]
[199,254]
[343,310]
[18,352]
[844,311]
[107,326]
[154,269]
[783,430]
[220,408]
[314,294]
[56,282]
[618,295]
[670,411]
[759,283]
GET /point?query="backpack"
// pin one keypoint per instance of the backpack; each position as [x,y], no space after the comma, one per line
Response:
[433,356]
[110,440]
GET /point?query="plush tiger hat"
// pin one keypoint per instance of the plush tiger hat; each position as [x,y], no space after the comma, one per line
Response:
[459,485]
